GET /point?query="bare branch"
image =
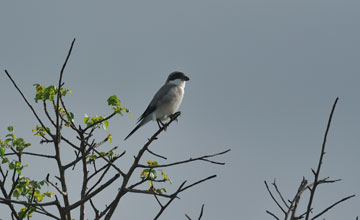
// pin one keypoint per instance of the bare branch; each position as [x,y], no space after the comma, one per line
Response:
[27,102]
[60,84]
[91,147]
[278,191]
[294,203]
[99,122]
[198,182]
[111,208]
[147,192]
[70,143]
[96,211]
[47,114]
[109,162]
[43,211]
[58,135]
[5,201]
[55,186]
[73,126]
[272,214]
[99,180]
[157,155]
[332,206]
[169,202]
[157,199]
[317,173]
[272,196]
[106,165]
[187,161]
[32,154]
[201,213]
[89,196]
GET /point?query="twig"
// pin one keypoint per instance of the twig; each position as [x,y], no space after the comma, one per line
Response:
[111,163]
[95,209]
[58,135]
[5,201]
[99,122]
[272,214]
[106,165]
[278,191]
[45,212]
[27,102]
[198,182]
[109,211]
[168,203]
[147,192]
[99,180]
[294,203]
[157,199]
[157,155]
[330,207]
[187,161]
[55,186]
[272,196]
[32,154]
[202,211]
[47,114]
[313,189]
[89,196]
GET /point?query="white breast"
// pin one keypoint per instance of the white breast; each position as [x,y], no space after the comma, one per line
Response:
[171,102]
[178,82]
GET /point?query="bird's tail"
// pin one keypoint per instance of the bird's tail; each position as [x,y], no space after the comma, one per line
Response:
[135,129]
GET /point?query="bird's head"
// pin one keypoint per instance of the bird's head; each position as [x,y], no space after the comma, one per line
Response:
[177,77]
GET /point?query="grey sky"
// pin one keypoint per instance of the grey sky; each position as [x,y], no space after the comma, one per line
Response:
[263,76]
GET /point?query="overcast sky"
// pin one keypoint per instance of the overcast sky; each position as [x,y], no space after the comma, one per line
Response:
[263,77]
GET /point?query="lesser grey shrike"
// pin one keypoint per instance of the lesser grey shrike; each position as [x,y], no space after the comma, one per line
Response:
[165,102]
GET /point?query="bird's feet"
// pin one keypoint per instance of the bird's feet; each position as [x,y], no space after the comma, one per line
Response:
[160,124]
[175,115]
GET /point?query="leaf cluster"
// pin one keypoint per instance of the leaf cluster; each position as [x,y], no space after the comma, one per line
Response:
[23,186]
[151,175]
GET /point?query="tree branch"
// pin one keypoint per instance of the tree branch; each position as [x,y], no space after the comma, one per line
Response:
[332,206]
[29,105]
[58,137]
[317,173]
[187,161]
[111,208]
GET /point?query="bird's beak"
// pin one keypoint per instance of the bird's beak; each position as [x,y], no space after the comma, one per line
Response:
[186,78]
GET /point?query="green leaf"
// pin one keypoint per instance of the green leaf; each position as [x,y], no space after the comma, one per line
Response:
[5,160]
[110,137]
[2,152]
[86,119]
[47,194]
[70,116]
[16,193]
[152,163]
[10,128]
[8,139]
[105,124]
[113,101]
[11,166]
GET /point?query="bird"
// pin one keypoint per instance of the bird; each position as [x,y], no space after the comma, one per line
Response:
[165,102]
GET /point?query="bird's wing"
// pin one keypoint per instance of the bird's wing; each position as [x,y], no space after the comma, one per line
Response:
[159,97]
[135,129]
